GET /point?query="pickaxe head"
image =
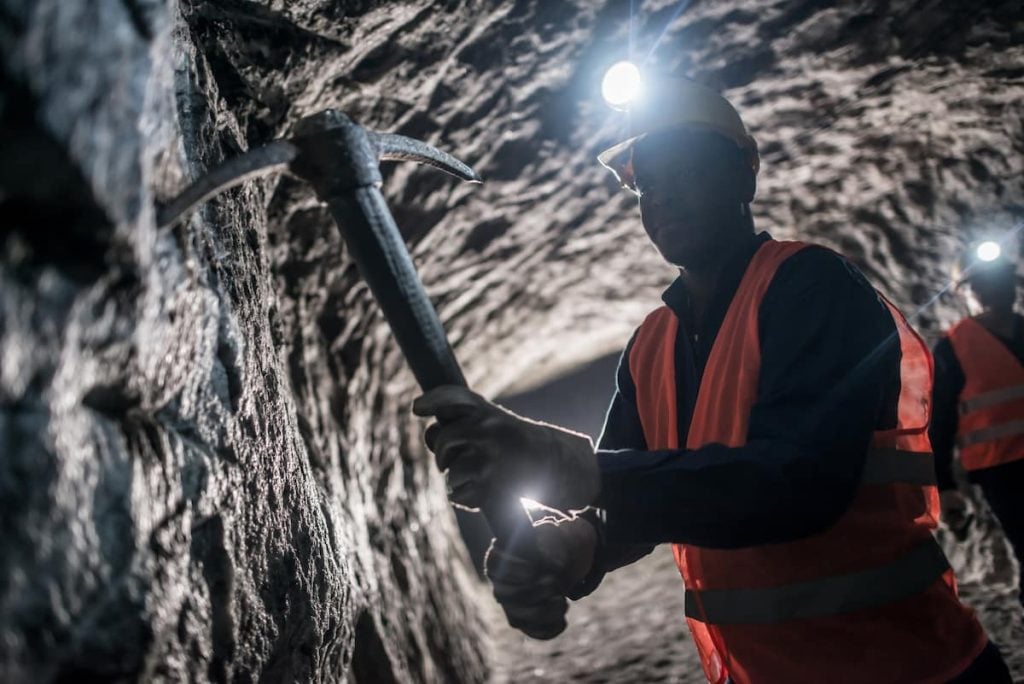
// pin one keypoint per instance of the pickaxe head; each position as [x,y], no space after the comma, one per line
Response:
[340,159]
[337,155]
[328,150]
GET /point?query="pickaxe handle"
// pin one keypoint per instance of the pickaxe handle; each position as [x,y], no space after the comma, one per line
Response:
[376,246]
[340,159]
[370,235]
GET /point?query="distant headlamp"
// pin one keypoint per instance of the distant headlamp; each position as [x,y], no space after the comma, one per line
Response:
[988,251]
[622,85]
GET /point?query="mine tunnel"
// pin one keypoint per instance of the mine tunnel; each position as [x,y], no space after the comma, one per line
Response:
[209,465]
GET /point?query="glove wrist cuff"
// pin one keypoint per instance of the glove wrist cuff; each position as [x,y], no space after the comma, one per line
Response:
[574,475]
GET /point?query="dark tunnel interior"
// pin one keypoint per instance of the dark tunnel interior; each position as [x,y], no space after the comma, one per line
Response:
[209,468]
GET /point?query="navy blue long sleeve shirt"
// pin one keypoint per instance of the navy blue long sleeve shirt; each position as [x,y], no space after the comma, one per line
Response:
[829,378]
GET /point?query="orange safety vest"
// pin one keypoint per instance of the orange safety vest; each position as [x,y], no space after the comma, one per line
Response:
[991,426]
[872,599]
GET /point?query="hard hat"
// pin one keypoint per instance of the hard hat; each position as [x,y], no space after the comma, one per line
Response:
[982,258]
[671,103]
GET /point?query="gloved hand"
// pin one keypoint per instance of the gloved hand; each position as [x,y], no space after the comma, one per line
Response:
[532,591]
[489,451]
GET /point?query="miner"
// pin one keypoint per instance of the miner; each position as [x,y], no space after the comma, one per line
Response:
[769,422]
[979,397]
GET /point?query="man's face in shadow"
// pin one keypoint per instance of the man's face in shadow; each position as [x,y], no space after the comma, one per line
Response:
[995,284]
[692,185]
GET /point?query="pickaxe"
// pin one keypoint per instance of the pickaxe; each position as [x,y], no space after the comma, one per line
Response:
[340,159]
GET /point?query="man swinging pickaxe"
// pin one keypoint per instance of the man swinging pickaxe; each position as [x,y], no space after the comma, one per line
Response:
[340,159]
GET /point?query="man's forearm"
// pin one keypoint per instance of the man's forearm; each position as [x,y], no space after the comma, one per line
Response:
[768,491]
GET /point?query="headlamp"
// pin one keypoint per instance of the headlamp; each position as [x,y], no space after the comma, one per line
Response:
[988,251]
[622,85]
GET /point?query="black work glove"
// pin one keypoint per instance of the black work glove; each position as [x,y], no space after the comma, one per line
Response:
[489,451]
[532,591]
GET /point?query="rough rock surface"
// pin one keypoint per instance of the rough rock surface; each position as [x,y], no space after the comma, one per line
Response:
[204,477]
[208,470]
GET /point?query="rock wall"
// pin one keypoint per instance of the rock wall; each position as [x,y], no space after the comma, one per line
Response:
[208,469]
[203,475]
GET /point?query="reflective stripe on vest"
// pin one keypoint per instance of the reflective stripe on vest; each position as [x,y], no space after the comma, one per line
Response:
[993,398]
[990,430]
[990,434]
[909,574]
[905,576]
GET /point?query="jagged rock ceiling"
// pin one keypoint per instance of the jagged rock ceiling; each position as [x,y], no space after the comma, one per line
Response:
[208,470]
[887,129]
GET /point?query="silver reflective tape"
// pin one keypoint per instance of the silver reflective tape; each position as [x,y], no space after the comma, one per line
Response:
[890,466]
[992,433]
[993,398]
[908,575]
